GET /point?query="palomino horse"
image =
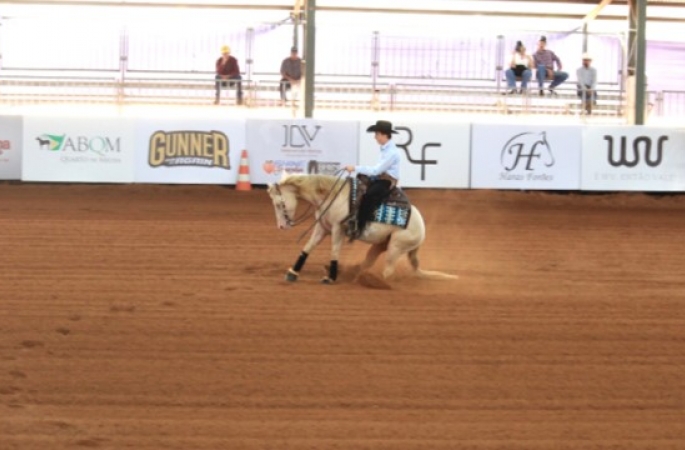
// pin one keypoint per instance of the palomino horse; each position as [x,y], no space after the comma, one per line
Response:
[330,196]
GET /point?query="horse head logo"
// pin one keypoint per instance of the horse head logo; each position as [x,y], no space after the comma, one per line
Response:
[527,146]
[43,143]
[50,141]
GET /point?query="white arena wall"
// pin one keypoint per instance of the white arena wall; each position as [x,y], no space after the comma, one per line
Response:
[438,151]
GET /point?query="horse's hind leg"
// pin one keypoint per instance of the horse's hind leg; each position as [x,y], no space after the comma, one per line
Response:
[413,256]
[372,255]
[395,251]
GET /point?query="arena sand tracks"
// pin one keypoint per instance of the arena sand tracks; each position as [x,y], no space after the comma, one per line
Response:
[156,317]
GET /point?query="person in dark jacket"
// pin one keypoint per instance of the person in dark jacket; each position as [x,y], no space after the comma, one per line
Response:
[228,74]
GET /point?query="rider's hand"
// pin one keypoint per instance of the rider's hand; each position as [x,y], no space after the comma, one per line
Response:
[350,169]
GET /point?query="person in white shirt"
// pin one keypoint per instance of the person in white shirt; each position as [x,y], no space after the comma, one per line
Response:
[384,176]
[520,66]
[587,83]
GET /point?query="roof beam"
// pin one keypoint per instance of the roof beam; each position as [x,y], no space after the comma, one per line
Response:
[592,15]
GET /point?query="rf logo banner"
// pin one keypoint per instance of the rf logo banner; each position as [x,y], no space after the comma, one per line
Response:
[10,147]
[299,146]
[434,155]
[188,151]
[635,158]
[71,149]
[525,157]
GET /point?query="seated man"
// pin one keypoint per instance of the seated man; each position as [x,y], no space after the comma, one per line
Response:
[228,74]
[291,73]
[587,84]
[544,62]
[384,176]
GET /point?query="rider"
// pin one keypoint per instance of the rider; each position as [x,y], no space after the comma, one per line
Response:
[384,176]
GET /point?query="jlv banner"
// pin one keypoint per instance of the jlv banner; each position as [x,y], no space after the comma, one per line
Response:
[303,146]
[633,159]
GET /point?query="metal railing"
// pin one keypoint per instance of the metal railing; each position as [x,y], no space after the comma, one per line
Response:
[398,96]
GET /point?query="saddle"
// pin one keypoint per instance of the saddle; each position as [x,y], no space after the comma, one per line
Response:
[394,210]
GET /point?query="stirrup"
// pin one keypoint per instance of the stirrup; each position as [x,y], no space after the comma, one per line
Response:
[352,227]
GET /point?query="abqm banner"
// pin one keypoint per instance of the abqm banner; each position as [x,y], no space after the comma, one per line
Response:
[10,147]
[633,158]
[188,151]
[73,149]
[299,146]
[434,155]
[541,157]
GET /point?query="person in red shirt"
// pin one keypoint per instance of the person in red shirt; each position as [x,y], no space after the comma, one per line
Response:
[227,69]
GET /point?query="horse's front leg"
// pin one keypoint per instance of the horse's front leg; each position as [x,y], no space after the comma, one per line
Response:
[317,235]
[336,244]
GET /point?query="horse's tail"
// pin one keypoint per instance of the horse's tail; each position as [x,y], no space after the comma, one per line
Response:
[434,275]
[427,274]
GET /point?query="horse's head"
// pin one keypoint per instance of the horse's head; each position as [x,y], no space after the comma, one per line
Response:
[543,145]
[284,198]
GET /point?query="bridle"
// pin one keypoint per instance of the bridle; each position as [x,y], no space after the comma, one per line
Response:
[306,215]
[284,210]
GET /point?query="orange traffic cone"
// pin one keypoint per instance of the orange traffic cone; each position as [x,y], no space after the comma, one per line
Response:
[243,183]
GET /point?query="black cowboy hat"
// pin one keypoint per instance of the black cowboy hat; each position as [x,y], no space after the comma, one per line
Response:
[383,126]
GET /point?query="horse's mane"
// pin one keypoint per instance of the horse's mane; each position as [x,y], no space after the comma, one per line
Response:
[314,184]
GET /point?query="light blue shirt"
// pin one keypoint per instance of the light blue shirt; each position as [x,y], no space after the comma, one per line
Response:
[389,162]
[587,78]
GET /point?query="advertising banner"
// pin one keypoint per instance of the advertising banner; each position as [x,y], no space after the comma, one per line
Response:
[188,151]
[434,155]
[73,149]
[10,147]
[511,156]
[299,146]
[633,158]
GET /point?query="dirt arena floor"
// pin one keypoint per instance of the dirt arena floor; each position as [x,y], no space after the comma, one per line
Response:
[156,317]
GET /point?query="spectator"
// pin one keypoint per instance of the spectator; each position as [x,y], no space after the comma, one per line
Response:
[544,62]
[291,73]
[587,84]
[227,69]
[520,66]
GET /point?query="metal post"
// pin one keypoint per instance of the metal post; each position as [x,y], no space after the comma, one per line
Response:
[249,43]
[310,58]
[375,56]
[637,52]
[297,17]
[500,61]
[123,65]
[1,43]
[248,85]
[296,28]
[585,37]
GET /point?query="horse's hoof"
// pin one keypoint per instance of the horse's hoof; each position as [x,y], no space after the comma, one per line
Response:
[291,277]
[326,280]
